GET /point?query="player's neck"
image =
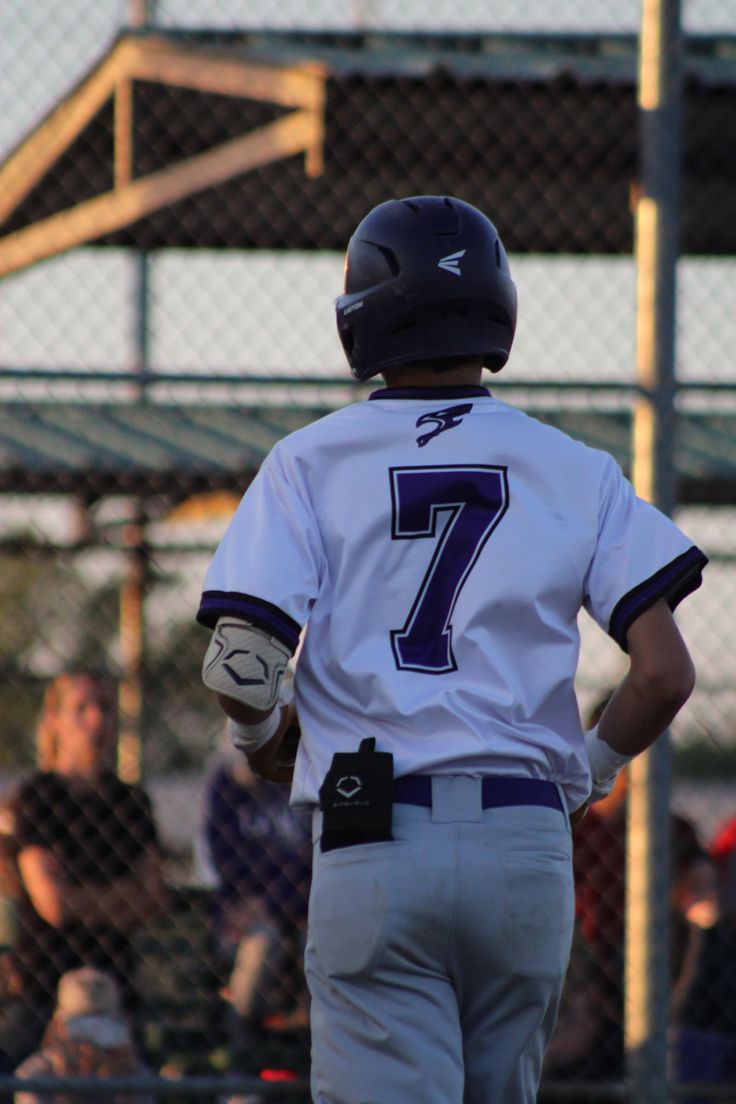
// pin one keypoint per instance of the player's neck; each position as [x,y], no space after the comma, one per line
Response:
[418,375]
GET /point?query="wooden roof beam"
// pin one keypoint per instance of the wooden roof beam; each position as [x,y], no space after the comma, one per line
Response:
[152,58]
[111,211]
[210,70]
[34,157]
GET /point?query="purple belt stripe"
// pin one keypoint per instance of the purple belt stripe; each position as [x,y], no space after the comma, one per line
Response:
[416,789]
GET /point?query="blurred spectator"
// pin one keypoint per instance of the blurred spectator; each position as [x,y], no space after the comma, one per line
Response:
[594,996]
[704,1046]
[694,900]
[723,853]
[256,851]
[87,1036]
[599,858]
[572,1052]
[10,884]
[87,856]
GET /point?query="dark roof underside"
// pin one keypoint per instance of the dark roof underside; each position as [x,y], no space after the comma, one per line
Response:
[136,448]
[540,120]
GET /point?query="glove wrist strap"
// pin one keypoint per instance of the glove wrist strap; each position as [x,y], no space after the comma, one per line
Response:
[250,738]
[604,761]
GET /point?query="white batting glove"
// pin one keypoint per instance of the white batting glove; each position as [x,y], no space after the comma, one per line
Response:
[605,764]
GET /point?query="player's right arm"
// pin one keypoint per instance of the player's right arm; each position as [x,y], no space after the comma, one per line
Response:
[274,759]
[642,567]
[659,681]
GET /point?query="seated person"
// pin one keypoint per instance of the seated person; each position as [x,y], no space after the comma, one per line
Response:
[87,1036]
[256,850]
[599,859]
[704,1047]
[87,854]
[593,1047]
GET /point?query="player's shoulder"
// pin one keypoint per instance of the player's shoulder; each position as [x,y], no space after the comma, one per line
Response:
[329,426]
[545,435]
[332,421]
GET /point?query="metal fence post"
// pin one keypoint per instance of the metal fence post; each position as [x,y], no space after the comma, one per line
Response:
[657,224]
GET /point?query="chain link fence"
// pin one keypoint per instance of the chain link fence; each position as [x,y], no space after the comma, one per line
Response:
[177,186]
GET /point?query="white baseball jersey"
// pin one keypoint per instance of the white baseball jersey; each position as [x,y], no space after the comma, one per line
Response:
[438,545]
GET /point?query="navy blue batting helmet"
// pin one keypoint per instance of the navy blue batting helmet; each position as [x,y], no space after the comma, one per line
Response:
[426,278]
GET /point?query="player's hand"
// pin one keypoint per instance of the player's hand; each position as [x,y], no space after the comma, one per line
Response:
[274,762]
[580,812]
[599,790]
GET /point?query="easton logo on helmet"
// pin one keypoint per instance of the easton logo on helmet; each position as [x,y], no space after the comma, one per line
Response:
[451,263]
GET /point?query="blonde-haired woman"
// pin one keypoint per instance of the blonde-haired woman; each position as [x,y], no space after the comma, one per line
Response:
[79,688]
[88,852]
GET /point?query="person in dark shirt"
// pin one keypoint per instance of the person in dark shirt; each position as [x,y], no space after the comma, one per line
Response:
[87,855]
[705,1045]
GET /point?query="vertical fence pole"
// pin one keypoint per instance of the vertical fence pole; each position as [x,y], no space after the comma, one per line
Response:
[134,584]
[139,14]
[133,589]
[657,228]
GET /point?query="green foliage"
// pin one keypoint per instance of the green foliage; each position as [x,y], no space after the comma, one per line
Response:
[23,581]
[19,701]
[183,721]
[25,584]
[54,613]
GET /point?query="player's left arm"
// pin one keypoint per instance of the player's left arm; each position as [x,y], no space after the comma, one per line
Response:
[660,679]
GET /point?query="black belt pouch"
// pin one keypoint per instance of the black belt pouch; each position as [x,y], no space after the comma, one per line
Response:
[356,797]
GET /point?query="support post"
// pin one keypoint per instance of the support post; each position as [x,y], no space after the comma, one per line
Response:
[657,247]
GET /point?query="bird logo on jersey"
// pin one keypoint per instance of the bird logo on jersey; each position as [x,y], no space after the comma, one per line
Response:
[448,418]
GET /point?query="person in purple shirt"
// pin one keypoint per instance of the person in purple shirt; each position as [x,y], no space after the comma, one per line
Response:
[256,850]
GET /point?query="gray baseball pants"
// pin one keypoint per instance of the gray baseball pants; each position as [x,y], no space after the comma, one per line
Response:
[436,961]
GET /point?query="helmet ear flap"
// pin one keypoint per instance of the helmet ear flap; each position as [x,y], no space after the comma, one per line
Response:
[348,341]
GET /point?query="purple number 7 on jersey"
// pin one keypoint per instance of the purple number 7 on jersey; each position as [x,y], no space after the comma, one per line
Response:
[472,499]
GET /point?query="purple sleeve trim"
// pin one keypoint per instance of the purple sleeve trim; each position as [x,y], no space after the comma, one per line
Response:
[674,582]
[228,603]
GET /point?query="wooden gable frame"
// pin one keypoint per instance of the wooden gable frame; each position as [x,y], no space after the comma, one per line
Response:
[155,59]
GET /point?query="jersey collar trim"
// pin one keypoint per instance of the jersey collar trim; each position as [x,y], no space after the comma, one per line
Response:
[468,392]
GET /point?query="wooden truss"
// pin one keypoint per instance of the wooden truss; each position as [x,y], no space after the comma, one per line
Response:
[155,59]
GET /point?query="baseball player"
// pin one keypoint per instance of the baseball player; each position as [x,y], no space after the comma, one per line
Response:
[432,547]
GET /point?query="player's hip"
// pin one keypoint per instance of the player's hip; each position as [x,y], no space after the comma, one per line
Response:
[502,884]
